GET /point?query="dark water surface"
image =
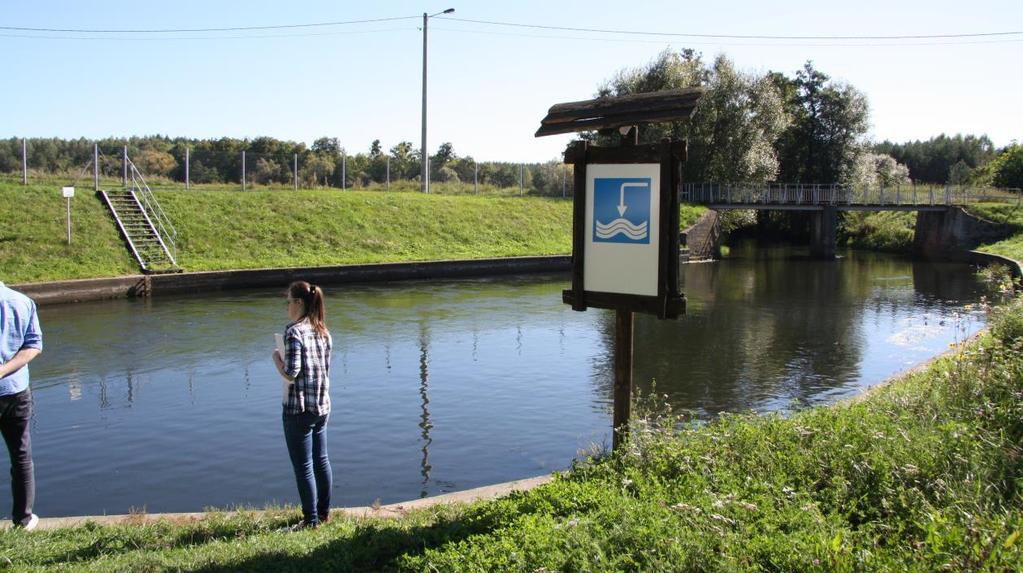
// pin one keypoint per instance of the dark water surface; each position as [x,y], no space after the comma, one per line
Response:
[172,404]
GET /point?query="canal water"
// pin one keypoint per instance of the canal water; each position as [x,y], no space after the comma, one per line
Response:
[172,403]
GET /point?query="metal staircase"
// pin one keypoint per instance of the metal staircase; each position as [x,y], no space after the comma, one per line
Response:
[143,224]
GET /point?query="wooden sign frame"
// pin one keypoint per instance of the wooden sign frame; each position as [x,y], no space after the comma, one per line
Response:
[669,303]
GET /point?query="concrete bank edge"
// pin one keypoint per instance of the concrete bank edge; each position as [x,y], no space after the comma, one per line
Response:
[390,511]
[44,293]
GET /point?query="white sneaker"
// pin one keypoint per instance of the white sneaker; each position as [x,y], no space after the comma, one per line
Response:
[33,521]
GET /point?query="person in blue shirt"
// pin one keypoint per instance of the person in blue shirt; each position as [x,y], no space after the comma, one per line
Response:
[20,342]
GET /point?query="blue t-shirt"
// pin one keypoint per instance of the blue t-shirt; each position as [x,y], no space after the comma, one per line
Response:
[19,328]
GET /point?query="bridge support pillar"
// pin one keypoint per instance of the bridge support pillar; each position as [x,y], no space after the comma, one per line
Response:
[822,239]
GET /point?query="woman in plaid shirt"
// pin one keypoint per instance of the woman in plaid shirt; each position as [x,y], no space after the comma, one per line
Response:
[306,363]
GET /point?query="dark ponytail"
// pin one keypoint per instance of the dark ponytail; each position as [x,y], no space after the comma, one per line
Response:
[312,299]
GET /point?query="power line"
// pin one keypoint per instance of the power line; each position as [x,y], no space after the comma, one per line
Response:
[190,30]
[176,38]
[731,36]
[736,44]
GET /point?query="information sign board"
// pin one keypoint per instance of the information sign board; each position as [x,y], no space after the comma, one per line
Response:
[625,243]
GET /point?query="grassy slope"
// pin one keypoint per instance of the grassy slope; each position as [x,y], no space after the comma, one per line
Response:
[1011,215]
[234,230]
[921,475]
[33,239]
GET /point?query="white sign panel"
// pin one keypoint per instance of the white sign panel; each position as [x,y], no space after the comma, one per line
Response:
[69,191]
[622,228]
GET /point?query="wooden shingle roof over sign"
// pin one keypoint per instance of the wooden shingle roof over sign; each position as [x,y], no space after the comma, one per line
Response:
[612,112]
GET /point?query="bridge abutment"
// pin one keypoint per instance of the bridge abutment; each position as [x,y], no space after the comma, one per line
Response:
[822,233]
[951,232]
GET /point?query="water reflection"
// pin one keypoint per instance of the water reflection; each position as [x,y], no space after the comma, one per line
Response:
[424,420]
[172,403]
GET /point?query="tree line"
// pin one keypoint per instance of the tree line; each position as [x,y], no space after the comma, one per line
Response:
[748,128]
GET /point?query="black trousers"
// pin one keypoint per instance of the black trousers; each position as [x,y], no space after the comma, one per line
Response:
[15,412]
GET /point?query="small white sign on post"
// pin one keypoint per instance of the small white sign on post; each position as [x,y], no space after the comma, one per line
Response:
[622,228]
[68,192]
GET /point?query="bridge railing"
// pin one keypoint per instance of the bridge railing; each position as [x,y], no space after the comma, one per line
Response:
[838,194]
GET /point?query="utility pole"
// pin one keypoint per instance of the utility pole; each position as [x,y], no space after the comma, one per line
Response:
[424,183]
[95,167]
[424,177]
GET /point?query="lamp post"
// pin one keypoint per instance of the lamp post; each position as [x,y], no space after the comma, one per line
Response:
[424,179]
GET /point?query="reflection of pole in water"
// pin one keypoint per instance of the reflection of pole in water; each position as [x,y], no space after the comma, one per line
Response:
[387,354]
[104,401]
[518,339]
[131,388]
[424,419]
[475,342]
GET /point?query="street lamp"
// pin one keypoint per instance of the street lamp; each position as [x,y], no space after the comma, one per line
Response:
[424,179]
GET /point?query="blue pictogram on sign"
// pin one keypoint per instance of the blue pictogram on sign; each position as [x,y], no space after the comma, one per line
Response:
[621,210]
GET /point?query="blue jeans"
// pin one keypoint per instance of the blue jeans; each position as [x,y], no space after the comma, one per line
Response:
[306,436]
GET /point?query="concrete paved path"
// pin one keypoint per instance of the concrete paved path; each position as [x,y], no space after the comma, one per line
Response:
[384,511]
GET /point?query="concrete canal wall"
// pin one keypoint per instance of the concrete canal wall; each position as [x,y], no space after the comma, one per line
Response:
[156,285]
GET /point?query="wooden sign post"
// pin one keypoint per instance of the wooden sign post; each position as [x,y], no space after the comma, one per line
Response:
[625,219]
[625,245]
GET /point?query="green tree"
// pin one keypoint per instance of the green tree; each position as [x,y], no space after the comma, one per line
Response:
[938,159]
[1007,168]
[732,133]
[828,120]
[403,164]
[878,170]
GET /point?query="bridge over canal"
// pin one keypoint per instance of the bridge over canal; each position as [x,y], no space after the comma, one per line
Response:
[938,208]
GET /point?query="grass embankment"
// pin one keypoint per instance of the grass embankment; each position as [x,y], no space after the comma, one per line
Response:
[219,229]
[923,474]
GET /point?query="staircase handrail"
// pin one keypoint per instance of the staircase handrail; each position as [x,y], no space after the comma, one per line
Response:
[151,205]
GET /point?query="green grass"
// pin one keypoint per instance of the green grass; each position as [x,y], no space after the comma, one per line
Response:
[1009,214]
[889,231]
[33,237]
[923,474]
[222,229]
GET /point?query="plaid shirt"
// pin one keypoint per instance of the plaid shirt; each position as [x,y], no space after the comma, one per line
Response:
[307,359]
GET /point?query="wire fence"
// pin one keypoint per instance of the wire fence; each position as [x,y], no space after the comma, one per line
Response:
[184,168]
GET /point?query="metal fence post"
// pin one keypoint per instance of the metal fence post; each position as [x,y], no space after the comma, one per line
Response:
[520,179]
[294,172]
[475,177]
[124,167]
[24,162]
[388,172]
[95,166]
[187,174]
[243,170]
[344,169]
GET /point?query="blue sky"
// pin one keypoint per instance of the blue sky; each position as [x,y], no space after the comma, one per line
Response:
[489,86]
